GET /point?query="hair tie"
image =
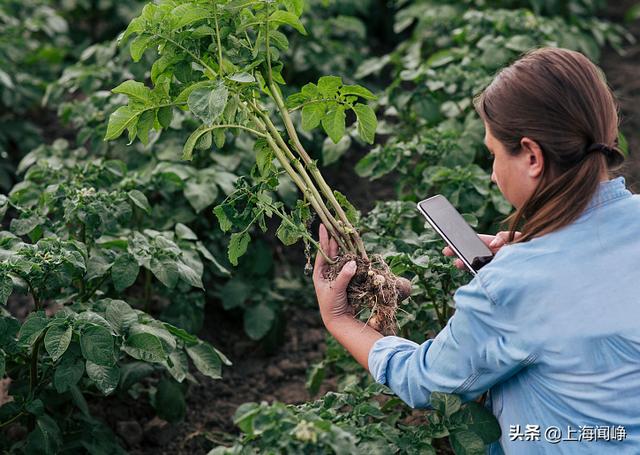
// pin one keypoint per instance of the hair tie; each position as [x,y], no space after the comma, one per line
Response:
[599,147]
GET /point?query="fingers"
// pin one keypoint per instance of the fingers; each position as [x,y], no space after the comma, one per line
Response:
[447,251]
[333,248]
[345,275]
[320,263]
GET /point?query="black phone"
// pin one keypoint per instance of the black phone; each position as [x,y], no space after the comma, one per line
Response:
[456,232]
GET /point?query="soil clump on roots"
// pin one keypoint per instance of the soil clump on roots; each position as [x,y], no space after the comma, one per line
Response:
[374,288]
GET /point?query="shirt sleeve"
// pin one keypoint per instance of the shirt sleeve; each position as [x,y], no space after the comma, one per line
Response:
[482,344]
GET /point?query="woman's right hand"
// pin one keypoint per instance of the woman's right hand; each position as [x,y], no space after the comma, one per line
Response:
[494,242]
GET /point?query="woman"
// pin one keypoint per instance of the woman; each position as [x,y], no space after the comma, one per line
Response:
[550,326]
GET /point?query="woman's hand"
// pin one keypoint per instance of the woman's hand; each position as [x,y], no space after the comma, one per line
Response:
[332,295]
[494,242]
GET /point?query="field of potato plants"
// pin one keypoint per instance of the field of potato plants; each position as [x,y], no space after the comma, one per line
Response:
[165,167]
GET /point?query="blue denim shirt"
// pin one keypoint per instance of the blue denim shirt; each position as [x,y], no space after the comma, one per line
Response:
[551,327]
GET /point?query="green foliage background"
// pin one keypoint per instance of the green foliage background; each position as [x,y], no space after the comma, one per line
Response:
[114,249]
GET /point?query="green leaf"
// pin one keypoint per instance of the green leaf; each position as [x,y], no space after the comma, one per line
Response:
[192,140]
[78,399]
[258,320]
[169,401]
[223,219]
[135,90]
[206,360]
[243,78]
[447,404]
[219,137]
[315,377]
[3,364]
[286,17]
[238,246]
[264,158]
[31,329]
[144,125]
[119,314]
[481,421]
[367,122]
[466,443]
[104,377]
[140,200]
[200,195]
[207,103]
[68,373]
[440,58]
[632,13]
[352,213]
[334,123]
[124,271]
[188,13]
[120,120]
[23,226]
[57,340]
[97,345]
[190,276]
[46,437]
[138,46]
[358,91]
[145,346]
[312,115]
[165,270]
[184,232]
[165,115]
[295,6]
[204,142]
[6,288]
[327,86]
[181,333]
[288,234]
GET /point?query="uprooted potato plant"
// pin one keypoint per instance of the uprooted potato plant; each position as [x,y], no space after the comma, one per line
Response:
[221,61]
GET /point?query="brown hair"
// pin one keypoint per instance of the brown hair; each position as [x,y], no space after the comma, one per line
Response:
[561,100]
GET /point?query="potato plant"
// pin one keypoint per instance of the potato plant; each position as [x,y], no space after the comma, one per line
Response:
[221,61]
[75,245]
[361,420]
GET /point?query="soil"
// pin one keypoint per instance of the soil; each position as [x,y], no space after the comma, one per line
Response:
[372,288]
[255,376]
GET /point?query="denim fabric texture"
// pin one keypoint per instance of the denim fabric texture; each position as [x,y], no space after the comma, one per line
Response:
[551,328]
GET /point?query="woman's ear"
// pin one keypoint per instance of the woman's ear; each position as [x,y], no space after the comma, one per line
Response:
[534,157]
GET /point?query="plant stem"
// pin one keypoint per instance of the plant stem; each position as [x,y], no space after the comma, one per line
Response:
[86,297]
[83,239]
[326,190]
[268,50]
[215,18]
[327,218]
[36,301]
[303,187]
[12,419]
[285,156]
[241,127]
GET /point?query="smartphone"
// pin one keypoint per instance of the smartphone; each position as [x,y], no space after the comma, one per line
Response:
[456,232]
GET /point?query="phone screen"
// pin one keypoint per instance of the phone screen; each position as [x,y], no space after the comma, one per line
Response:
[456,232]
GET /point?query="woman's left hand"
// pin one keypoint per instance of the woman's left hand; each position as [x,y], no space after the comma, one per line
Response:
[332,295]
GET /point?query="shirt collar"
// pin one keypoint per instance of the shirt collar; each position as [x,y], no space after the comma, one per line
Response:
[608,191]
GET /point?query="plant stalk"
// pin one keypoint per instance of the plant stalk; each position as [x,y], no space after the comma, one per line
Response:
[324,187]
[328,219]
